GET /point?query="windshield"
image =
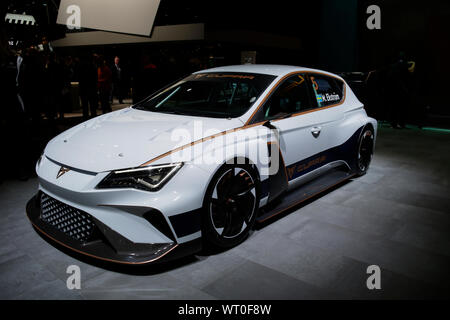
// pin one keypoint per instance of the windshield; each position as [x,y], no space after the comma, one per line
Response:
[219,95]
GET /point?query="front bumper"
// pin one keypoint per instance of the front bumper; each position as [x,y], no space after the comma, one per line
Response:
[106,244]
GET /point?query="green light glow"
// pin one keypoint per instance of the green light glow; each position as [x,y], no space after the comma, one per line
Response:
[436,129]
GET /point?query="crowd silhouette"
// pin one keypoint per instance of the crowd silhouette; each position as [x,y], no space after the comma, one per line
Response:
[40,87]
[397,93]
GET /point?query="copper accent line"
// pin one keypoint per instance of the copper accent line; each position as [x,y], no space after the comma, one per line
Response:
[247,124]
[192,144]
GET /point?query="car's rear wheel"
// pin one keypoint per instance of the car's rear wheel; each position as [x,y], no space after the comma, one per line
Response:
[231,205]
[365,150]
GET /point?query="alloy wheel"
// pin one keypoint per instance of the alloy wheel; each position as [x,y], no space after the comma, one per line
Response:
[233,202]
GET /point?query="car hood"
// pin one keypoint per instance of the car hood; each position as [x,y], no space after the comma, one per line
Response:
[128,138]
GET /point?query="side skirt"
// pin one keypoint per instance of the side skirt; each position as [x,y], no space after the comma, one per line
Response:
[303,193]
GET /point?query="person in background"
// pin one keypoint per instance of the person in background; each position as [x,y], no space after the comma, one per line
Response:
[418,96]
[68,70]
[54,80]
[30,90]
[104,81]
[171,72]
[87,76]
[397,91]
[146,80]
[14,134]
[117,81]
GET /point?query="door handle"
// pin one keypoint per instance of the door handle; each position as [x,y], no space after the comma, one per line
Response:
[315,131]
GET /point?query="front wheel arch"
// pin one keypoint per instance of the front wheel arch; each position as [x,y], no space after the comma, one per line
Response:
[235,159]
[210,235]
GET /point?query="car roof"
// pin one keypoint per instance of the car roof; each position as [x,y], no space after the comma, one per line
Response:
[272,69]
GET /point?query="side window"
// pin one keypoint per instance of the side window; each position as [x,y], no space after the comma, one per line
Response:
[327,90]
[290,97]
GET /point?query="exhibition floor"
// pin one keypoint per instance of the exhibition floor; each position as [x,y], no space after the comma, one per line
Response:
[397,217]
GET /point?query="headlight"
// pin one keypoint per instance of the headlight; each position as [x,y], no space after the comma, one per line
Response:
[151,178]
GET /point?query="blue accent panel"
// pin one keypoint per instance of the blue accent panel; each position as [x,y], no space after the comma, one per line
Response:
[345,151]
[186,223]
[265,188]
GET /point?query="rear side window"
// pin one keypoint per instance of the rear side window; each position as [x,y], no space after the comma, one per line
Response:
[327,90]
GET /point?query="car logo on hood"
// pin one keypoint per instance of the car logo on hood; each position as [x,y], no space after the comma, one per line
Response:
[61,171]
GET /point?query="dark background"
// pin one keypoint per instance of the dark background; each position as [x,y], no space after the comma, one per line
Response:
[332,33]
[325,34]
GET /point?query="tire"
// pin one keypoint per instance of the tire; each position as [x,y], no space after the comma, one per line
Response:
[364,152]
[231,205]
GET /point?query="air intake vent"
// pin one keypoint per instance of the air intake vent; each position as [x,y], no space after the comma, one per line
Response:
[73,222]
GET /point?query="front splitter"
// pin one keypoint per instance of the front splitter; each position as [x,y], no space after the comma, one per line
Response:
[102,249]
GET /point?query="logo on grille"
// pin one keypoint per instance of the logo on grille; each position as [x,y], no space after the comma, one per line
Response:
[61,171]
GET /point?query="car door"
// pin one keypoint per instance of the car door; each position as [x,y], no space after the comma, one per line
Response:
[327,119]
[303,124]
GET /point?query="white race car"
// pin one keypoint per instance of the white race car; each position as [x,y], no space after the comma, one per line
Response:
[200,161]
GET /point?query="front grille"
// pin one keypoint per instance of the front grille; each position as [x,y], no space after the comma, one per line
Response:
[73,222]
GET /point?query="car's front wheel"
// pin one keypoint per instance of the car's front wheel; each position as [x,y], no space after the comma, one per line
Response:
[231,205]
